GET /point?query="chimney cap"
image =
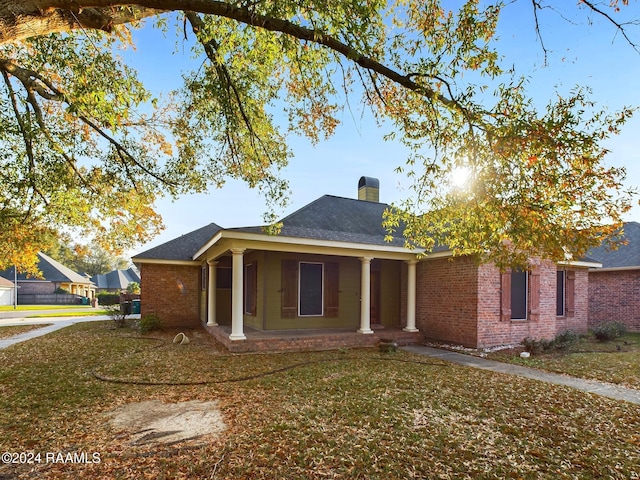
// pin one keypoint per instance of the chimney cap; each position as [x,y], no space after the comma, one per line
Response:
[368,182]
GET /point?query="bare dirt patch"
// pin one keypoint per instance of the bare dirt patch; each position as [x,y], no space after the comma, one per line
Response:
[156,422]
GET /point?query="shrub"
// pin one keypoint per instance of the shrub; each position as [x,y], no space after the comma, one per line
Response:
[562,341]
[149,323]
[565,339]
[534,346]
[609,330]
[106,298]
[118,315]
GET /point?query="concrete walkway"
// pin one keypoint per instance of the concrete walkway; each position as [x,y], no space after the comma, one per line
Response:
[599,388]
[52,324]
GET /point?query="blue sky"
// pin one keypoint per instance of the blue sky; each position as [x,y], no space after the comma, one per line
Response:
[595,56]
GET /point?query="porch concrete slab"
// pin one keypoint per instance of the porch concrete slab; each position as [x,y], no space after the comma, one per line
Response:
[591,386]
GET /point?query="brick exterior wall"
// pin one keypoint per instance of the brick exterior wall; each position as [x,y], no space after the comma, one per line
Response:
[36,288]
[459,302]
[615,296]
[446,300]
[172,292]
[579,321]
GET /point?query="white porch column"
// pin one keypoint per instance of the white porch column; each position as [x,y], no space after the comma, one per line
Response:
[365,296]
[411,297]
[236,295]
[211,302]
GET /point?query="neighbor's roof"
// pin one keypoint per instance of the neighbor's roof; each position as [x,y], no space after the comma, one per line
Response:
[626,255]
[116,279]
[181,248]
[52,271]
[4,283]
[337,219]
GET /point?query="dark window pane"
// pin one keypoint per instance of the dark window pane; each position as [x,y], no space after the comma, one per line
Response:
[518,295]
[560,294]
[310,288]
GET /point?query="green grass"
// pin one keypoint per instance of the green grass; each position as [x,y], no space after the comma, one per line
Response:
[348,414]
[616,361]
[26,308]
[89,313]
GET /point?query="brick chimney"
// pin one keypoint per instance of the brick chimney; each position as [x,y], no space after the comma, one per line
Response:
[369,189]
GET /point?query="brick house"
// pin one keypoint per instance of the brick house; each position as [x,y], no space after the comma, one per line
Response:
[614,289]
[331,272]
[54,278]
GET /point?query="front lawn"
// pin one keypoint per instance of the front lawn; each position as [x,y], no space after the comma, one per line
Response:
[615,361]
[338,414]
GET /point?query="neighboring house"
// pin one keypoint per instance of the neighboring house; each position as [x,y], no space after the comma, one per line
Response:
[55,277]
[7,291]
[614,289]
[116,281]
[330,270]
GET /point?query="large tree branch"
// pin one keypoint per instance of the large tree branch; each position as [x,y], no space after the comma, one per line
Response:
[20,19]
[119,10]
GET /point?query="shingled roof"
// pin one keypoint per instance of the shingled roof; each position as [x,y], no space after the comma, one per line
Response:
[116,279]
[52,271]
[625,256]
[337,219]
[181,248]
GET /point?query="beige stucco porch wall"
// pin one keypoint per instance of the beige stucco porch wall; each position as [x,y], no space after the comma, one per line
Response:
[269,293]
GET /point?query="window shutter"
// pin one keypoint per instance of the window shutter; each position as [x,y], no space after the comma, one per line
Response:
[505,300]
[571,291]
[332,289]
[289,289]
[534,292]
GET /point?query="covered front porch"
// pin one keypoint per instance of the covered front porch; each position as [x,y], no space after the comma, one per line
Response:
[309,340]
[314,296]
